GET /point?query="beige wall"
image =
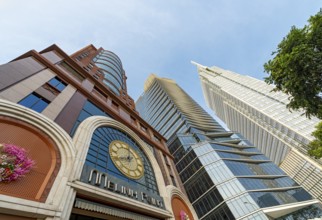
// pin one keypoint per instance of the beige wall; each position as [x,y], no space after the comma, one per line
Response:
[57,105]
[20,90]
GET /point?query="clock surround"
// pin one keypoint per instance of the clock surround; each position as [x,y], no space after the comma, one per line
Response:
[126,159]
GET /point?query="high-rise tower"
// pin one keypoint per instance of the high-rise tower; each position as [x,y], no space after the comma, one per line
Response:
[249,106]
[224,175]
[170,110]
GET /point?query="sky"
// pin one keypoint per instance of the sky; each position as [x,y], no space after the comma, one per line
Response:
[160,37]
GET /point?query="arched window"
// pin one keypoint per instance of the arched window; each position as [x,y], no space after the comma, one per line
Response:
[98,157]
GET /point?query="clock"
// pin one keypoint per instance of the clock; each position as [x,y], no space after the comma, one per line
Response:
[126,159]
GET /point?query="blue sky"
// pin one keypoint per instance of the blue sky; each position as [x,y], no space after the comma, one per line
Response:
[159,37]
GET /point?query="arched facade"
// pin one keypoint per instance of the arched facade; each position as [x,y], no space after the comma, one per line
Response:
[181,208]
[82,140]
[43,174]
[50,197]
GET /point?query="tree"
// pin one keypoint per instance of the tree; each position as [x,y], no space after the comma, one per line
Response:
[316,145]
[296,70]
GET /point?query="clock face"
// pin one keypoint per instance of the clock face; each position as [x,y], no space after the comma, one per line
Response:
[126,159]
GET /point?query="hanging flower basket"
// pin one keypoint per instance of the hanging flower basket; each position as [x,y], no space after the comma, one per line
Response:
[14,162]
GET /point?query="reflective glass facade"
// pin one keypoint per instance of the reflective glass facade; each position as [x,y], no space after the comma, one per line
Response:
[237,175]
[224,175]
[111,66]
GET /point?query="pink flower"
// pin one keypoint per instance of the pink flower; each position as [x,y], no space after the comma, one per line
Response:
[15,162]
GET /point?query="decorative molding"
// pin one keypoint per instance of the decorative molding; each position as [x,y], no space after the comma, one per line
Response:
[174,191]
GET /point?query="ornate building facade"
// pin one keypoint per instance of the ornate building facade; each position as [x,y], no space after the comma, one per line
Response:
[93,156]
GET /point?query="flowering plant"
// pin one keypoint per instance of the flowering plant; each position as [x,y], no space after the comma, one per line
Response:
[14,162]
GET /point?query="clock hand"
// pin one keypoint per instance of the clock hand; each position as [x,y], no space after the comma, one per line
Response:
[128,153]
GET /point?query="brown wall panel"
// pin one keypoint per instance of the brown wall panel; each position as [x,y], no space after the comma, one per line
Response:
[175,172]
[52,57]
[36,184]
[158,157]
[16,71]
[12,217]
[124,114]
[67,117]
[88,85]
[46,93]
[179,205]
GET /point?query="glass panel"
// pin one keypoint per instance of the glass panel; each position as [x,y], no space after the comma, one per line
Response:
[29,101]
[60,87]
[208,202]
[251,183]
[112,87]
[88,110]
[57,83]
[241,168]
[72,71]
[54,82]
[35,102]
[221,213]
[111,78]
[267,199]
[40,105]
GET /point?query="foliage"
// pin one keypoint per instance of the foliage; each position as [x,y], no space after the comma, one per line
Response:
[296,70]
[297,67]
[310,212]
[14,162]
[316,145]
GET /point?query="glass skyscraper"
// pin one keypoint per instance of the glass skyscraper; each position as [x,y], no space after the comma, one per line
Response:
[224,175]
[249,106]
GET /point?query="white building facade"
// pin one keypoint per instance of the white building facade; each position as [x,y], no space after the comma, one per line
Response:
[248,105]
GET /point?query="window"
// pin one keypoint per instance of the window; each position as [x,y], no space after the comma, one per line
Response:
[57,83]
[173,181]
[143,128]
[115,105]
[80,57]
[72,71]
[85,68]
[35,102]
[133,120]
[98,158]
[166,159]
[99,92]
[157,139]
[89,109]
